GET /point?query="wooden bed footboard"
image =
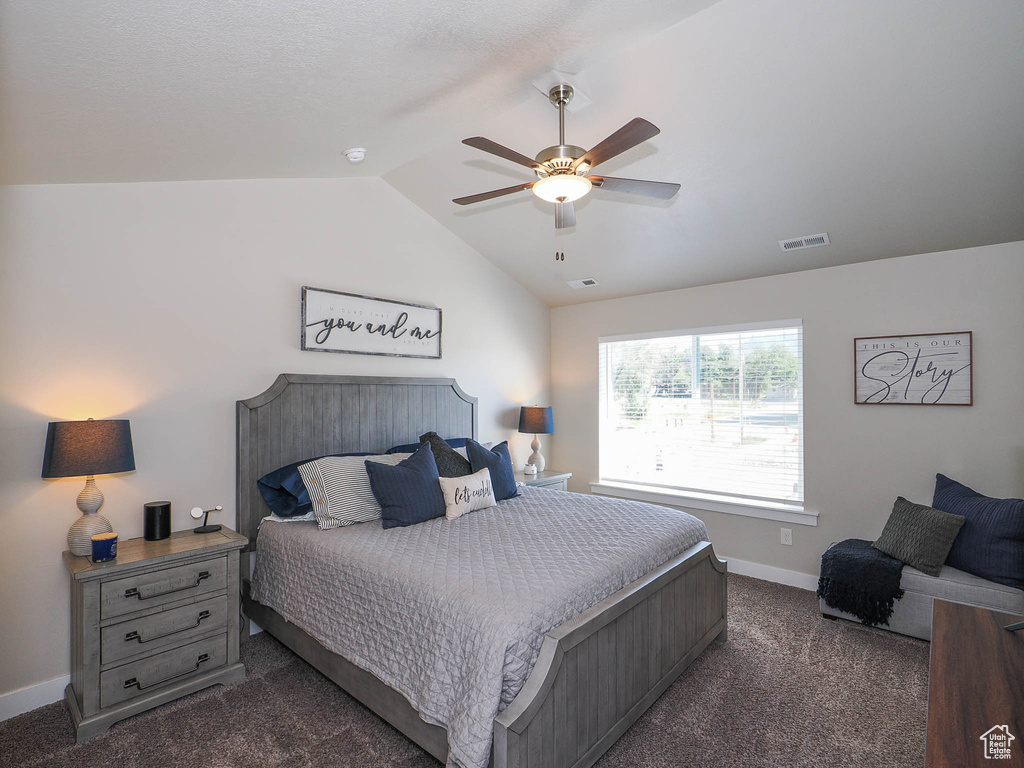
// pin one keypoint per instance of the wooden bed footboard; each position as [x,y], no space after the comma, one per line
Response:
[597,673]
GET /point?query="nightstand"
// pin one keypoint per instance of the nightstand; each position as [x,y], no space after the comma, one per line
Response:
[156,623]
[558,481]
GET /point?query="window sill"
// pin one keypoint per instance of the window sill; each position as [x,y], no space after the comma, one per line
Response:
[785,513]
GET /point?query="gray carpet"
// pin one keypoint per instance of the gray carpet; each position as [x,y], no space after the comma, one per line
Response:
[789,689]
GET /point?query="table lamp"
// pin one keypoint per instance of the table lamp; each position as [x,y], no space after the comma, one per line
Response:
[536,420]
[85,449]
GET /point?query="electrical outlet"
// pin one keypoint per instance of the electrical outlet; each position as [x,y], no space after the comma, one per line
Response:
[787,536]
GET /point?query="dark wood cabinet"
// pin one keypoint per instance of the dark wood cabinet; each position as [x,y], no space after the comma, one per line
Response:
[975,689]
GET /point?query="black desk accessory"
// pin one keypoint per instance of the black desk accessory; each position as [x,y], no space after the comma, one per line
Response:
[157,523]
[198,512]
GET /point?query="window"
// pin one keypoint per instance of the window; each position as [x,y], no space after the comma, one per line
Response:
[715,412]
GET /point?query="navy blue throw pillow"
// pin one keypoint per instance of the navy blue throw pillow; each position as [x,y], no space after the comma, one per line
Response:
[991,543]
[284,491]
[409,492]
[499,462]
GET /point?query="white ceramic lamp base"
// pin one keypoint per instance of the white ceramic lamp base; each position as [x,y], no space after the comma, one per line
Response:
[90,523]
[536,458]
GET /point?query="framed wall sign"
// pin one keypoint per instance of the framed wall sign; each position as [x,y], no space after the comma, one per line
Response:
[333,321]
[919,369]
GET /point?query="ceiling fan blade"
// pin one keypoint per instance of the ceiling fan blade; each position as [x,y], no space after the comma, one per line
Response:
[565,215]
[662,190]
[636,131]
[492,194]
[479,142]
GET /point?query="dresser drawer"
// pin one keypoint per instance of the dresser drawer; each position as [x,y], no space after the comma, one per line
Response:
[164,586]
[176,665]
[161,630]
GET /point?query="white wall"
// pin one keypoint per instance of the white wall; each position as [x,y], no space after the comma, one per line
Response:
[165,303]
[858,459]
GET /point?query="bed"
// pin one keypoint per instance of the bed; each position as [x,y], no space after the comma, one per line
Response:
[595,672]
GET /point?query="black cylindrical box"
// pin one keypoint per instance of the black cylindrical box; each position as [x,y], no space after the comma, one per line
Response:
[158,520]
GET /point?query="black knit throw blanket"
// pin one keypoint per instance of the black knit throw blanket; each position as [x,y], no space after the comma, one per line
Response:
[857,578]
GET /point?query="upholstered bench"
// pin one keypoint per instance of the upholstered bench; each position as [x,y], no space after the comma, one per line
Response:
[912,614]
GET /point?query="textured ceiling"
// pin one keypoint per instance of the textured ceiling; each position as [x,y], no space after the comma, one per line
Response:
[897,126]
[151,90]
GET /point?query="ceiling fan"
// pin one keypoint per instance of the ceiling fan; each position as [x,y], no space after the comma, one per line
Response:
[564,170]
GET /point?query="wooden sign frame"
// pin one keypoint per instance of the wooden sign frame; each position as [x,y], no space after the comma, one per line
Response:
[335,321]
[914,369]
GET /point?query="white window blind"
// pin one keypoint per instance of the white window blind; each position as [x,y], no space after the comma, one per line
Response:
[717,411]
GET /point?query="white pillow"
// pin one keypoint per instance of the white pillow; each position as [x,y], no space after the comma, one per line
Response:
[467,493]
[462,451]
[339,488]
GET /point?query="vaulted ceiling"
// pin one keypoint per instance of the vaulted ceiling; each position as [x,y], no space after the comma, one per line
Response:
[151,90]
[897,126]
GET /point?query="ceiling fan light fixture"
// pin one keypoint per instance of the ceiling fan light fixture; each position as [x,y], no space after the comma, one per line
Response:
[562,188]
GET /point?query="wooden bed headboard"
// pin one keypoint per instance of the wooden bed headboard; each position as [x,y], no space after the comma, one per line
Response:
[304,415]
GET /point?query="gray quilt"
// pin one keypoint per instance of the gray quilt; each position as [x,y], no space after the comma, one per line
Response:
[452,613]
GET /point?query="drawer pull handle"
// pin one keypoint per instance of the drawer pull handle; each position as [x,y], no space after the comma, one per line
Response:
[134,682]
[136,636]
[134,591]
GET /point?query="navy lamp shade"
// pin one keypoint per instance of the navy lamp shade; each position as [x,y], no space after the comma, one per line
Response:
[85,449]
[536,420]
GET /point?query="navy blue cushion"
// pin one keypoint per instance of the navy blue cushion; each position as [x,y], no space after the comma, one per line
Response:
[499,462]
[284,491]
[991,543]
[409,492]
[454,442]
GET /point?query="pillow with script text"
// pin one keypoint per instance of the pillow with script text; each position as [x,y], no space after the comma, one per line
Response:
[467,493]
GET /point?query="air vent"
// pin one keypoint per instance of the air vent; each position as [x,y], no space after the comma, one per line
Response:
[807,241]
[586,282]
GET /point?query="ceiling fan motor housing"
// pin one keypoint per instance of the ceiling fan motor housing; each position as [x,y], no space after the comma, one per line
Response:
[559,158]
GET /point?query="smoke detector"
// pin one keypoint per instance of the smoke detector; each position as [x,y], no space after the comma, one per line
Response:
[355,155]
[586,282]
[806,241]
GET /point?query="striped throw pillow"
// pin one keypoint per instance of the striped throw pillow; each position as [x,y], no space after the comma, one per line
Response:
[339,488]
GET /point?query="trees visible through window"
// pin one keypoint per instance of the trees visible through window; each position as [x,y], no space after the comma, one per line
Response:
[717,412]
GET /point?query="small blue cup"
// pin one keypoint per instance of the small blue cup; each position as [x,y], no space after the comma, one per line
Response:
[104,547]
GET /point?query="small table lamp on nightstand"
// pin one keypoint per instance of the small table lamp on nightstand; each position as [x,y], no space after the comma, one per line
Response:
[84,449]
[536,420]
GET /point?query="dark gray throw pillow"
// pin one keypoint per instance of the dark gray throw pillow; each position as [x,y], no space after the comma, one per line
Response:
[450,463]
[920,536]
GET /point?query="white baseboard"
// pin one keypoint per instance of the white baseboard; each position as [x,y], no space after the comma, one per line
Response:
[771,573]
[32,697]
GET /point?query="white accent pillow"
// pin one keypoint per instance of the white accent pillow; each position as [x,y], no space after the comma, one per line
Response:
[462,451]
[339,488]
[467,493]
